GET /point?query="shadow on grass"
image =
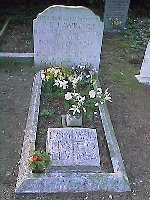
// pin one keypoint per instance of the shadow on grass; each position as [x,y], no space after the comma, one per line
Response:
[12,64]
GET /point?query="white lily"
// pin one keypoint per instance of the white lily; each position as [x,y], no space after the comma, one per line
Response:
[81,99]
[75,94]
[107,95]
[108,98]
[84,110]
[81,66]
[99,91]
[96,104]
[95,70]
[75,109]
[49,69]
[57,82]
[68,96]
[92,94]
[56,71]
[63,84]
[75,80]
[43,75]
[70,78]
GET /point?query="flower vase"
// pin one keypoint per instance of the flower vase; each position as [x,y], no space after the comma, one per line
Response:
[73,120]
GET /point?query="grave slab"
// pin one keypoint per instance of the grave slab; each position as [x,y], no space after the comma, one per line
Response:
[67,35]
[115,10]
[70,181]
[75,148]
[144,76]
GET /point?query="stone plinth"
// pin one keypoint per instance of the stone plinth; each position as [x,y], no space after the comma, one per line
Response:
[68,181]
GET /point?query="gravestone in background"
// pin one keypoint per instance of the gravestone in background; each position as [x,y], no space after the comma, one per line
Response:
[68,35]
[144,76]
[115,13]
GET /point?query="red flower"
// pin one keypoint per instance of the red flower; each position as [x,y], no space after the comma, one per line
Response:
[34,158]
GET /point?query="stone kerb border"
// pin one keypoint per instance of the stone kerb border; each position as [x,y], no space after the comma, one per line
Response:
[55,182]
[30,131]
[16,55]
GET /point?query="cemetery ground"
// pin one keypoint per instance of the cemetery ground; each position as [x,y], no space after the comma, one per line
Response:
[121,59]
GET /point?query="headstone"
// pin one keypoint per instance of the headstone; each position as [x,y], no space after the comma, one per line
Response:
[67,35]
[115,15]
[144,76]
[73,147]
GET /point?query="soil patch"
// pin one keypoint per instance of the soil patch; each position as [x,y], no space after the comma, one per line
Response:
[13,42]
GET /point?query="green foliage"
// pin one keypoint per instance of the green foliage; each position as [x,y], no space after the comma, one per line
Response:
[137,32]
[52,91]
[46,113]
[75,88]
[24,64]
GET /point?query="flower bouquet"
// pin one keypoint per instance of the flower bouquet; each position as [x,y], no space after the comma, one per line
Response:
[39,161]
[116,23]
[76,88]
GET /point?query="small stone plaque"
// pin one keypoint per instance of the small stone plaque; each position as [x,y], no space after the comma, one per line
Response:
[67,35]
[115,10]
[73,147]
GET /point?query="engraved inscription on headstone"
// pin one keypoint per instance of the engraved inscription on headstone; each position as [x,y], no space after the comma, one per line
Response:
[144,76]
[115,15]
[73,147]
[67,35]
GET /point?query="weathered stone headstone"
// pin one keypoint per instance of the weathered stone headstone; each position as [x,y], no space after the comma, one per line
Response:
[144,76]
[68,35]
[73,147]
[115,15]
